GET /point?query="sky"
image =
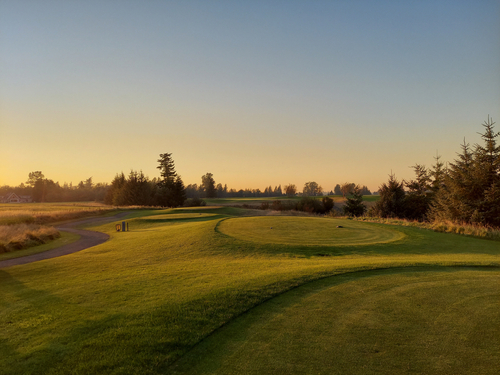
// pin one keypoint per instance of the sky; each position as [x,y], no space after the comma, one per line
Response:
[257,93]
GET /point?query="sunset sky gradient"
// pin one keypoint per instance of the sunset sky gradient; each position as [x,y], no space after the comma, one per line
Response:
[258,93]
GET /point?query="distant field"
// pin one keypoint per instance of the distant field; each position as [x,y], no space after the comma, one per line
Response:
[53,206]
[14,213]
[153,300]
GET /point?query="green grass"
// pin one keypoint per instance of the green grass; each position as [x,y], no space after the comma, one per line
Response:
[311,231]
[145,298]
[393,321]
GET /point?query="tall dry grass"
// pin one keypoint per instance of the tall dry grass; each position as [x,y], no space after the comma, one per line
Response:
[464,229]
[22,236]
[44,217]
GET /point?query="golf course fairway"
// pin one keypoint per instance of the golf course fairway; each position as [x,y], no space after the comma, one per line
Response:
[308,231]
[440,321]
[365,298]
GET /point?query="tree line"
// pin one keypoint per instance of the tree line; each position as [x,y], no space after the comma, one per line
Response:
[42,189]
[466,190]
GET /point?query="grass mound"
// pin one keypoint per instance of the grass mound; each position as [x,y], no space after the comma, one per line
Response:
[307,231]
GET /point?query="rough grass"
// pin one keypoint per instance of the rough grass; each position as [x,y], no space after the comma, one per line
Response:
[22,236]
[64,239]
[143,299]
[441,226]
[43,213]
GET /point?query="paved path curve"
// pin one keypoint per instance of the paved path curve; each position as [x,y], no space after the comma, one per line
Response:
[87,239]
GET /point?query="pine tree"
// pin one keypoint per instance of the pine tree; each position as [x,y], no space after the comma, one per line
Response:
[179,194]
[437,173]
[457,199]
[471,191]
[354,205]
[487,169]
[419,195]
[167,167]
[392,196]
[171,191]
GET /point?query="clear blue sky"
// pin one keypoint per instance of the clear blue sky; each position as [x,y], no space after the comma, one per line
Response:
[258,93]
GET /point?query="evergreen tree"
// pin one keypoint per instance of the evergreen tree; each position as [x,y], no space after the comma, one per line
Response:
[471,191]
[487,168]
[392,196]
[179,195]
[170,191]
[113,191]
[354,205]
[437,173]
[167,167]
[419,195]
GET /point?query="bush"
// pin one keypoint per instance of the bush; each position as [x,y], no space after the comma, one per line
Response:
[311,205]
[277,206]
[194,202]
[327,204]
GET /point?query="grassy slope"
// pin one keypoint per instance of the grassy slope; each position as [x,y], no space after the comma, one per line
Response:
[391,321]
[138,302]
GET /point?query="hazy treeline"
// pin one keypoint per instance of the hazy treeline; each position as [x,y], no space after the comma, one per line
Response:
[138,189]
[42,189]
[466,190]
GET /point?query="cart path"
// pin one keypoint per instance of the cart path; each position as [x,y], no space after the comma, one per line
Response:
[87,239]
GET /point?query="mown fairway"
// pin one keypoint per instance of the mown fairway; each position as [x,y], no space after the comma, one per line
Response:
[139,302]
[311,232]
[429,321]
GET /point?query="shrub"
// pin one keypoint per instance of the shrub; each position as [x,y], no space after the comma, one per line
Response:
[21,236]
[310,205]
[194,202]
[327,204]
[277,206]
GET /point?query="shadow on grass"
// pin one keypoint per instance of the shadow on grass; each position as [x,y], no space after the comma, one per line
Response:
[166,220]
[16,326]
[222,342]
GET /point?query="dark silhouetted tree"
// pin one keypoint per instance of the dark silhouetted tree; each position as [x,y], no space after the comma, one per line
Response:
[208,183]
[337,190]
[420,194]
[327,203]
[346,188]
[354,205]
[471,189]
[290,190]
[312,189]
[392,196]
